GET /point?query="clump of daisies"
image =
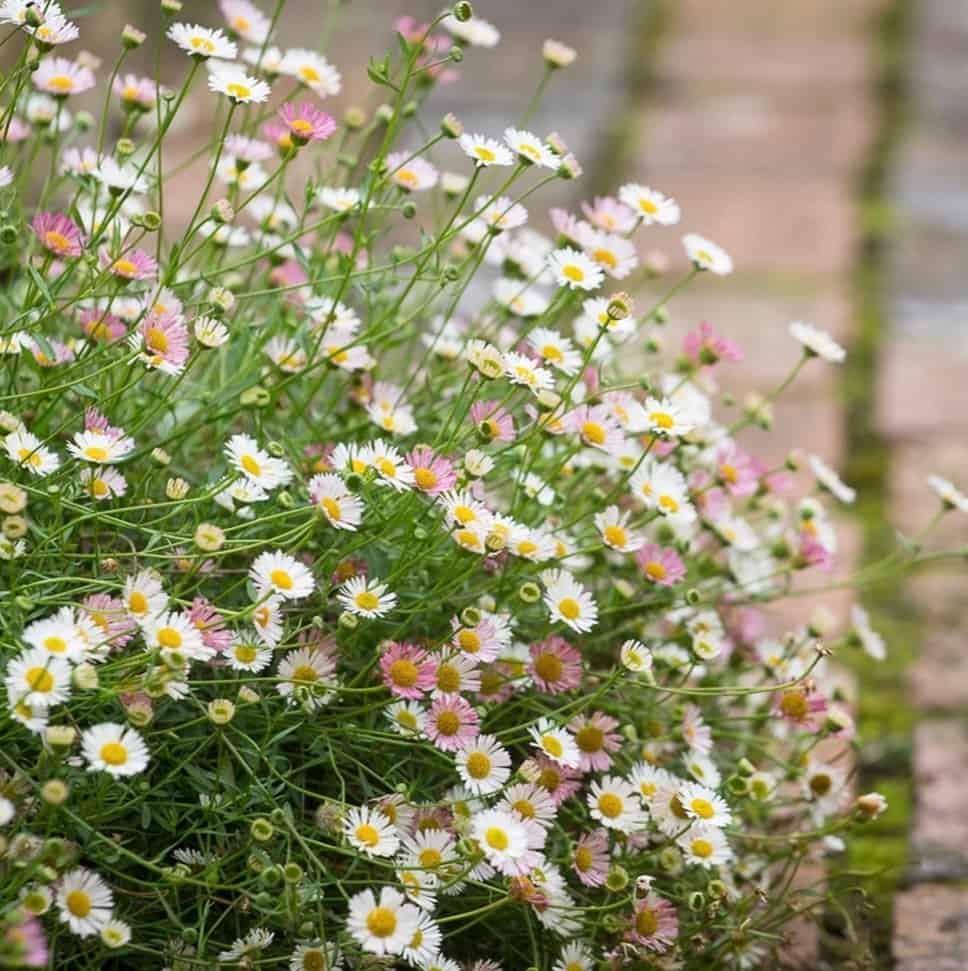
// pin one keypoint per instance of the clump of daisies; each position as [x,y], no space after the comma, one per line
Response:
[382,584]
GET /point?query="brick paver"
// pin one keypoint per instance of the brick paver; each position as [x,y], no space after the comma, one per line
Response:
[931,929]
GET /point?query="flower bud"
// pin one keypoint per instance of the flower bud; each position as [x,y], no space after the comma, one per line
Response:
[131,37]
[60,737]
[451,126]
[160,456]
[261,829]
[209,537]
[176,488]
[85,677]
[557,55]
[463,11]
[871,805]
[619,306]
[529,592]
[55,792]
[221,711]
[222,212]
[617,879]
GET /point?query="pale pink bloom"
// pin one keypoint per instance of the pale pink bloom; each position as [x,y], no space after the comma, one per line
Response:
[559,781]
[62,353]
[555,665]
[307,123]
[60,77]
[95,421]
[590,859]
[655,924]
[408,670]
[812,552]
[566,224]
[704,347]
[596,739]
[432,474]
[133,265]
[135,91]
[451,722]
[58,234]
[16,130]
[496,423]
[737,470]
[607,213]
[596,426]
[801,707]
[695,731]
[210,624]
[99,325]
[110,615]
[661,565]
[164,341]
[482,642]
[245,149]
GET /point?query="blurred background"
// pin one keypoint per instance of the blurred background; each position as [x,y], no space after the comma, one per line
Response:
[821,143]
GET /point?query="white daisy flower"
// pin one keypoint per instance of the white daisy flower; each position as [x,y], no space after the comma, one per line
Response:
[671,418]
[572,268]
[706,255]
[613,526]
[424,943]
[521,369]
[144,596]
[569,602]
[662,486]
[484,765]
[341,507]
[339,198]
[816,342]
[649,205]
[85,902]
[485,151]
[116,749]
[202,41]
[27,451]
[281,574]
[502,837]
[267,621]
[474,31]
[384,926]
[371,832]
[704,805]
[38,678]
[246,20]
[256,464]
[247,654]
[313,70]
[949,494]
[57,635]
[232,81]
[556,350]
[635,657]
[705,846]
[615,803]
[366,597]
[557,743]
[100,448]
[173,633]
[530,148]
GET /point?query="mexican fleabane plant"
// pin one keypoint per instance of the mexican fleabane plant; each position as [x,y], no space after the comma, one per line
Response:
[376,593]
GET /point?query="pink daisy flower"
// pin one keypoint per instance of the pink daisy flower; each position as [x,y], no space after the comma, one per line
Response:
[62,354]
[655,924]
[607,213]
[99,325]
[596,738]
[664,567]
[493,421]
[110,615]
[95,421]
[164,341]
[812,552]
[695,731]
[451,722]
[555,665]
[596,427]
[590,860]
[408,670]
[215,635]
[482,642]
[307,123]
[704,347]
[432,474]
[559,781]
[58,234]
[801,707]
[245,149]
[737,470]
[133,265]
[16,130]
[60,77]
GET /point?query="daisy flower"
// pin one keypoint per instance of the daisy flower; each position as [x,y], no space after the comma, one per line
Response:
[706,255]
[949,494]
[870,640]
[555,743]
[391,468]
[303,674]
[661,565]
[615,804]
[670,418]
[136,92]
[408,671]
[267,621]
[616,255]
[829,480]
[133,265]
[556,350]
[529,148]
[341,507]
[596,739]
[366,598]
[247,654]
[456,672]
[451,722]
[116,749]
[521,369]
[57,635]
[144,596]
[613,526]
[103,483]
[371,832]
[705,846]
[38,677]
[704,805]
[572,268]
[315,957]
[257,465]
[173,631]
[246,20]
[58,234]
[485,151]
[649,205]
[100,448]
[339,199]
[484,765]
[474,31]
[281,574]
[312,70]
[202,41]
[817,343]
[411,174]
[307,123]
[504,840]
[655,924]
[26,450]
[569,602]
[85,901]
[492,421]
[596,427]
[555,666]
[232,81]
[663,487]
[60,77]
[590,859]
[384,926]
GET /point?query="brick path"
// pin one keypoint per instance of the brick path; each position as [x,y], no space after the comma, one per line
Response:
[922,413]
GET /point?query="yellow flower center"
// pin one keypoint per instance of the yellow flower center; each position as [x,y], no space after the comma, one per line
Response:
[605,256]
[593,432]
[524,808]
[552,353]
[794,705]
[125,266]
[157,339]
[96,453]
[552,745]
[648,206]
[469,641]
[202,44]
[573,272]
[79,903]
[281,578]
[448,723]
[661,419]
[56,645]
[448,678]
[610,805]
[381,922]
[309,74]
[703,808]
[237,90]
[590,738]
[478,765]
[366,600]
[615,535]
[40,679]
[655,570]
[246,653]
[548,667]
[57,241]
[702,848]
[250,465]
[821,784]
[301,127]
[496,838]
[646,922]
[114,753]
[331,506]
[305,674]
[404,673]
[367,834]
[668,503]
[484,154]
[137,602]
[569,608]
[429,857]
[169,637]
[425,478]
[61,82]
[584,858]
